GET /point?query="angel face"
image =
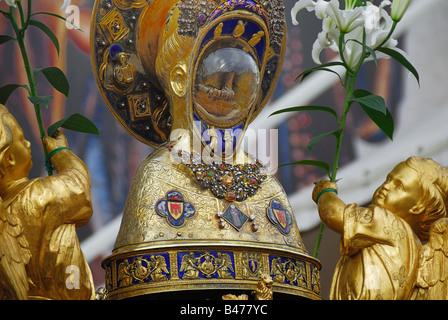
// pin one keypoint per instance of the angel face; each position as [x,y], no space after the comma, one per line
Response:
[401,192]
[19,151]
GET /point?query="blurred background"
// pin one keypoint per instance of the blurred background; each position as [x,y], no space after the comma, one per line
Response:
[420,113]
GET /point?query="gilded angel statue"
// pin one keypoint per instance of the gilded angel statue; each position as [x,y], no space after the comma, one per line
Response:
[224,263]
[432,276]
[188,265]
[158,266]
[14,255]
[40,254]
[396,247]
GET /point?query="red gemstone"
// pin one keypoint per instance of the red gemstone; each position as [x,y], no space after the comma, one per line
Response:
[230,196]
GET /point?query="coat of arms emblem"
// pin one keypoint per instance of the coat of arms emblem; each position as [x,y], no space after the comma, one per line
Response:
[280,217]
[175,209]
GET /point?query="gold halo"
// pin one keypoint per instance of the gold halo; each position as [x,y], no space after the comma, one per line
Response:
[130,91]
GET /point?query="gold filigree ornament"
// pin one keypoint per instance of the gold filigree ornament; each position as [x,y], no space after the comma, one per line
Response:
[224,180]
[121,78]
[216,225]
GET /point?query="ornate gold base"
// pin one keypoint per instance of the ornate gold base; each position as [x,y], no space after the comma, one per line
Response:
[188,271]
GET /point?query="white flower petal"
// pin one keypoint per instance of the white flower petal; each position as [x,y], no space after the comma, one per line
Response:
[347,20]
[299,5]
[385,3]
[11,3]
[353,50]
[321,8]
[315,53]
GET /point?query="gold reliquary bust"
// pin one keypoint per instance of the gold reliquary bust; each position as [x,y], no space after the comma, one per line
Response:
[202,218]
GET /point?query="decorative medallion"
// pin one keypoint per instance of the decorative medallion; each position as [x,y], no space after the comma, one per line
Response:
[252,264]
[290,271]
[140,106]
[279,216]
[234,216]
[175,209]
[194,265]
[113,26]
[117,70]
[151,268]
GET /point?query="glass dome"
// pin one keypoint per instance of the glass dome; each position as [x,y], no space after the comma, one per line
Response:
[226,86]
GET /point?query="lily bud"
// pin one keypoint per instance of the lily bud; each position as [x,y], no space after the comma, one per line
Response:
[398,9]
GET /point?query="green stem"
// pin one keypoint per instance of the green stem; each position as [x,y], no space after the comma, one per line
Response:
[394,25]
[318,240]
[349,86]
[20,37]
[5,13]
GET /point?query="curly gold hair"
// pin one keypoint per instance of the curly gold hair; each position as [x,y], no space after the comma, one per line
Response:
[434,182]
[5,137]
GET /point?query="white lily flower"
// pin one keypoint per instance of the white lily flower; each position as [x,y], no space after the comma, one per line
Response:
[327,38]
[353,50]
[347,20]
[373,14]
[398,9]
[368,24]
[373,38]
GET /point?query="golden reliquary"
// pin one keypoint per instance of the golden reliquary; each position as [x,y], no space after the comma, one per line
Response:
[203,219]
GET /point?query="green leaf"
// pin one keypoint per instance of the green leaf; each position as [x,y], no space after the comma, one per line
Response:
[384,121]
[47,31]
[41,100]
[375,107]
[402,60]
[7,90]
[57,16]
[322,67]
[75,122]
[56,78]
[314,163]
[306,108]
[369,100]
[4,39]
[319,137]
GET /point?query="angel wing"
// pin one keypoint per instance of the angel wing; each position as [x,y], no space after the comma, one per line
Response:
[161,264]
[14,255]
[432,279]
[123,269]
[227,262]
[276,268]
[187,262]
